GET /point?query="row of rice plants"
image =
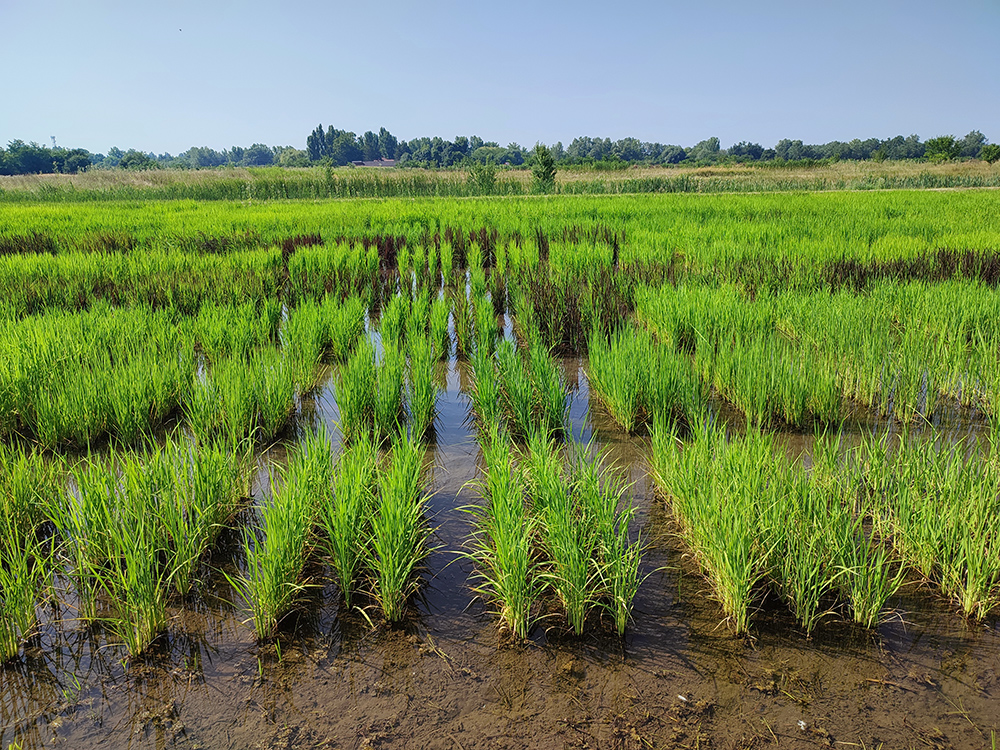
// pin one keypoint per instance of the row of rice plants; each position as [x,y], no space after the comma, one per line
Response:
[132,528]
[27,485]
[939,504]
[726,237]
[638,380]
[545,528]
[321,332]
[795,356]
[159,277]
[371,518]
[752,518]
[380,395]
[75,378]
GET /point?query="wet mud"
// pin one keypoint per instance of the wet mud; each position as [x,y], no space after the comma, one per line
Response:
[447,678]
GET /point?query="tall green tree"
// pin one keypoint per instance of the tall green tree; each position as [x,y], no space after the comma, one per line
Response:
[990,152]
[943,147]
[543,169]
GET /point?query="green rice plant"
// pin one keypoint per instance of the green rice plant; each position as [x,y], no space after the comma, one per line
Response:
[550,390]
[275,393]
[434,266]
[716,491]
[487,327]
[346,514]
[970,555]
[518,390]
[225,330]
[418,318]
[201,410]
[464,317]
[201,491]
[389,414]
[29,484]
[421,389]
[504,538]
[133,577]
[447,263]
[25,569]
[486,391]
[938,508]
[616,377]
[344,324]
[869,574]
[276,553]
[439,319]
[599,497]
[303,339]
[543,467]
[235,385]
[240,398]
[802,561]
[84,522]
[568,540]
[636,379]
[393,322]
[356,389]
[570,545]
[398,542]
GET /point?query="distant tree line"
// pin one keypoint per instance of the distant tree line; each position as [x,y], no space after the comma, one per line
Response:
[31,158]
[341,147]
[335,147]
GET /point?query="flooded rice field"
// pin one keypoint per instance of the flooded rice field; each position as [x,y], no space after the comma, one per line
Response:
[446,678]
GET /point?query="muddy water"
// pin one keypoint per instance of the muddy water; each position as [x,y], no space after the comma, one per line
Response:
[445,679]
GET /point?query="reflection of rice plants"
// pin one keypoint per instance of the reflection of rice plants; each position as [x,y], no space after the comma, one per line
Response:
[398,531]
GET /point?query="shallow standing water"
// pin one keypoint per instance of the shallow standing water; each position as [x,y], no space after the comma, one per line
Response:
[446,679]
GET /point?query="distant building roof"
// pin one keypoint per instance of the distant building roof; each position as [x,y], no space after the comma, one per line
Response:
[376,163]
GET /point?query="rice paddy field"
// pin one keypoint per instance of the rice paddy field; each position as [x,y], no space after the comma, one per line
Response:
[573,471]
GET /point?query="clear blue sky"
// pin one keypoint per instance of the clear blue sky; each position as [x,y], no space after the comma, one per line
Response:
[168,75]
